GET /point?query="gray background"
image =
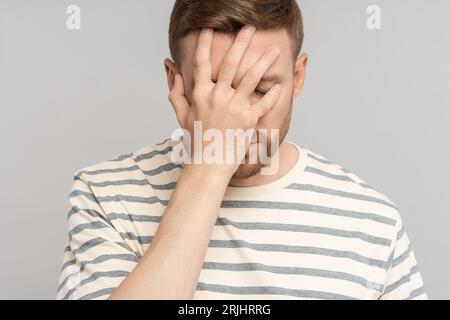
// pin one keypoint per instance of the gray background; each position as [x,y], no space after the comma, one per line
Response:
[376,102]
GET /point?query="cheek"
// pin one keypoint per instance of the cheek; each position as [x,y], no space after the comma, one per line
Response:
[280,113]
[282,106]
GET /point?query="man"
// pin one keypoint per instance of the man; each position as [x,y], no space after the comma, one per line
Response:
[145,226]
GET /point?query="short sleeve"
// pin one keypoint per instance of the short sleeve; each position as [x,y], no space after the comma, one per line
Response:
[403,279]
[96,258]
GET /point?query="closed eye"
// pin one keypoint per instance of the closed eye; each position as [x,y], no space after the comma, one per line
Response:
[260,93]
[257,92]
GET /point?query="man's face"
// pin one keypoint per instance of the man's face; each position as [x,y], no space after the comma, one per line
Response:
[282,71]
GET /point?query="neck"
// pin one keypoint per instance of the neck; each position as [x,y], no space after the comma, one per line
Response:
[288,157]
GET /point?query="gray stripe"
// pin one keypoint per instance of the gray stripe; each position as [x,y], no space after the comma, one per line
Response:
[119,198]
[267,226]
[401,233]
[168,186]
[165,167]
[294,271]
[92,213]
[152,154]
[305,229]
[307,207]
[132,236]
[67,249]
[276,248]
[118,183]
[365,185]
[72,275]
[406,278]
[107,257]
[102,171]
[127,247]
[133,217]
[272,291]
[87,226]
[401,258]
[88,195]
[414,269]
[143,182]
[318,189]
[95,276]
[390,259]
[327,174]
[67,264]
[99,259]
[96,294]
[122,157]
[297,249]
[415,293]
[318,159]
[88,244]
[163,142]
[93,242]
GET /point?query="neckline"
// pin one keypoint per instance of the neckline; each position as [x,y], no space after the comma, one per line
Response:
[280,183]
[271,187]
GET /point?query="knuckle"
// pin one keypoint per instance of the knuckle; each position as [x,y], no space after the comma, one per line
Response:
[264,108]
[198,60]
[171,97]
[267,105]
[268,101]
[249,119]
[216,97]
[227,67]
[221,96]
[251,78]
[197,94]
[235,111]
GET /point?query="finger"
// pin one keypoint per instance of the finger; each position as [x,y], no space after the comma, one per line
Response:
[202,57]
[267,102]
[179,101]
[253,76]
[233,58]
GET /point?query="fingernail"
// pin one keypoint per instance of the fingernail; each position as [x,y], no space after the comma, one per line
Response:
[248,29]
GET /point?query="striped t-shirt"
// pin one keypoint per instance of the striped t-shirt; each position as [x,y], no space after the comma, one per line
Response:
[318,232]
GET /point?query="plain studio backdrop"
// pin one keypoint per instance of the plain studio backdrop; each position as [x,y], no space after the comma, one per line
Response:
[375,101]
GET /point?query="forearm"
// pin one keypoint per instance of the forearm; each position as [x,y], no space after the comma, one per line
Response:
[171,266]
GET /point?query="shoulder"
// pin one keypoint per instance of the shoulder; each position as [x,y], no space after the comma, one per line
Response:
[347,189]
[136,168]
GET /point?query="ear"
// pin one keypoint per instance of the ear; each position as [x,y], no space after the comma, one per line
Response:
[171,71]
[301,65]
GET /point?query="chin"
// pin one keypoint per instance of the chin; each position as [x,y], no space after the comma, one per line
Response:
[247,170]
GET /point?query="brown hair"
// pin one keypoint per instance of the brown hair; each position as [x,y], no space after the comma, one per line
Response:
[230,15]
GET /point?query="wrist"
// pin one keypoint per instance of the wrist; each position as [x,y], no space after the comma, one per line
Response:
[212,172]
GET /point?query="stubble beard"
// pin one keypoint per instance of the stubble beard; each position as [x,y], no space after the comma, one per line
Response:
[246,169]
